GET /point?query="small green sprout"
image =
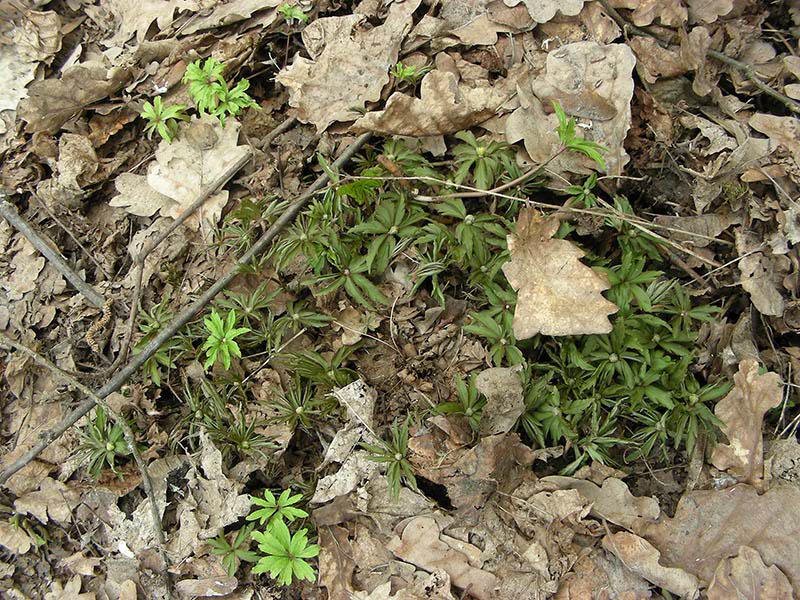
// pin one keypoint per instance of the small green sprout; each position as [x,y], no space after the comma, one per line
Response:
[566,133]
[292,14]
[273,509]
[202,77]
[409,74]
[221,339]
[395,454]
[101,443]
[233,552]
[284,554]
[163,119]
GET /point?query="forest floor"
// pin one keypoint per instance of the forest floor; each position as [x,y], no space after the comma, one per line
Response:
[399,299]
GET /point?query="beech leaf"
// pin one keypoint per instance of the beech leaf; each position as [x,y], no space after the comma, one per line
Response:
[557,293]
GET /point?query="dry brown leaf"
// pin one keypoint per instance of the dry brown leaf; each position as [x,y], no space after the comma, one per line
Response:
[444,107]
[53,500]
[542,11]
[746,576]
[613,501]
[642,558]
[14,538]
[52,102]
[759,281]
[183,168]
[350,68]
[206,588]
[79,564]
[420,543]
[710,225]
[232,12]
[136,16]
[671,13]
[708,11]
[504,399]
[742,411]
[783,131]
[69,591]
[35,38]
[336,564]
[591,81]
[26,266]
[601,573]
[653,61]
[557,294]
[711,525]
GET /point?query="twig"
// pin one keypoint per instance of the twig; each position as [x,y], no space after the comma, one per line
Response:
[127,433]
[283,127]
[185,315]
[748,70]
[10,214]
[150,245]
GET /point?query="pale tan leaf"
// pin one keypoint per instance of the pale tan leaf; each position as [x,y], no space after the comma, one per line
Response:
[206,588]
[542,11]
[671,13]
[68,591]
[136,16]
[504,399]
[421,544]
[351,66]
[712,525]
[742,411]
[747,574]
[642,558]
[138,198]
[759,281]
[14,538]
[783,131]
[444,107]
[557,293]
[708,11]
[336,564]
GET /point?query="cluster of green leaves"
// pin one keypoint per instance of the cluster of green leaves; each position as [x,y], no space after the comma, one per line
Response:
[408,75]
[292,14]
[567,135]
[102,443]
[221,341]
[282,554]
[166,357]
[211,95]
[394,453]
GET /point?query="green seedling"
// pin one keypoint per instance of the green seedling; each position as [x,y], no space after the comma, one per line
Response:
[276,509]
[409,74]
[221,342]
[469,403]
[395,454]
[212,94]
[102,444]
[163,119]
[497,330]
[284,555]
[234,551]
[292,14]
[567,135]
[480,161]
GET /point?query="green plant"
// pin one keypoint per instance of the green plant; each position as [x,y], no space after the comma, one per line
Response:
[394,453]
[250,307]
[233,432]
[276,509]
[284,554]
[236,550]
[292,14]
[296,407]
[166,357]
[567,136]
[469,402]
[497,330]
[221,340]
[478,160]
[476,234]
[163,119]
[390,223]
[298,315]
[326,372]
[212,94]
[409,74]
[102,443]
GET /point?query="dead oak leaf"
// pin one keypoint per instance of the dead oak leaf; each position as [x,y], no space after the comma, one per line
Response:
[557,294]
[542,11]
[136,16]
[742,411]
[351,67]
[747,571]
[445,106]
[52,102]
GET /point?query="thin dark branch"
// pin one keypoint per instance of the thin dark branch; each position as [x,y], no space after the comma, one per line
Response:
[184,317]
[10,214]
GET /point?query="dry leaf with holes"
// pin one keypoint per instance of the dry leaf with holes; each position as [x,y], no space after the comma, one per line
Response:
[350,65]
[557,293]
[747,571]
[742,411]
[710,526]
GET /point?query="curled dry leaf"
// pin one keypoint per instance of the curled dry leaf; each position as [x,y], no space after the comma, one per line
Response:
[52,102]
[557,294]
[542,11]
[747,571]
[642,558]
[445,107]
[710,526]
[742,411]
[759,281]
[350,68]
